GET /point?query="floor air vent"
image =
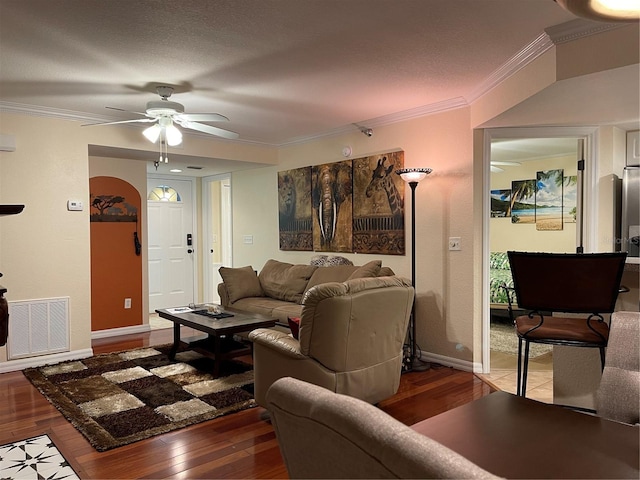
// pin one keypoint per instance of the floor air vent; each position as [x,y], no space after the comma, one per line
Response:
[38,327]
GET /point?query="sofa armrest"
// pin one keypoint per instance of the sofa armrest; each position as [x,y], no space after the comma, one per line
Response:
[282,342]
[223,294]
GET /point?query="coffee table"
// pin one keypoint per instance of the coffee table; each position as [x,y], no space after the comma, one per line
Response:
[220,344]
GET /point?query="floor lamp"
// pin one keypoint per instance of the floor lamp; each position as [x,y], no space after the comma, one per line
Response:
[413,176]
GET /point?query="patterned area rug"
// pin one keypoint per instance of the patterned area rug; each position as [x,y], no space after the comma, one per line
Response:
[120,398]
[503,338]
[34,458]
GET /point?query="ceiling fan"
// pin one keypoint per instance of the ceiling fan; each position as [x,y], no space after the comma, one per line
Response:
[495,165]
[164,113]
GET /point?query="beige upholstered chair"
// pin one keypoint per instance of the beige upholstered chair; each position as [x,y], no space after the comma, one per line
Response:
[618,396]
[326,435]
[351,340]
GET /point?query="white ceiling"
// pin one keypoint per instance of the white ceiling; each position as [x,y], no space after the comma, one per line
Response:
[283,71]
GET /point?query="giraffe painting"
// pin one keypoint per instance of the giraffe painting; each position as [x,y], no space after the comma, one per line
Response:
[382,179]
[378,204]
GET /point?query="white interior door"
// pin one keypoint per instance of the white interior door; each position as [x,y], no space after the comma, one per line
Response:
[217,232]
[171,229]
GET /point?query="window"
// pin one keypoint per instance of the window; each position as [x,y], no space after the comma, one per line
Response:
[164,193]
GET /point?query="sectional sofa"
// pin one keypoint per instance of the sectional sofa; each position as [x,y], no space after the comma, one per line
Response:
[278,289]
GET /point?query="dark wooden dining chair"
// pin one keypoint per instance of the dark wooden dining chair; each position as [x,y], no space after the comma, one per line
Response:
[548,283]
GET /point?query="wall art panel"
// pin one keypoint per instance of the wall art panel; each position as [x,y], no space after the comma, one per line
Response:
[378,204]
[331,187]
[294,207]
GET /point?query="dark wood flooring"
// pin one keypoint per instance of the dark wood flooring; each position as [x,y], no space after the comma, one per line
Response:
[240,445]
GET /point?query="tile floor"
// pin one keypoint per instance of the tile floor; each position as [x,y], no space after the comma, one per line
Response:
[503,375]
[155,322]
[34,458]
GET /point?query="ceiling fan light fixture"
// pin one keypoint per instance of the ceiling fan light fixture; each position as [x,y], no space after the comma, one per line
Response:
[173,135]
[604,10]
[152,133]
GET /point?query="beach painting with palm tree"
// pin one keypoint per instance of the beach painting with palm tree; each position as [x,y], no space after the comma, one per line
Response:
[500,203]
[523,201]
[549,187]
[569,202]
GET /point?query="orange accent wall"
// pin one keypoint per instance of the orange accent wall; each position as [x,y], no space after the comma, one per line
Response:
[116,270]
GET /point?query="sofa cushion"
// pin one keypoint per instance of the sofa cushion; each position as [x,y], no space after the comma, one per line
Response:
[285,281]
[386,272]
[336,273]
[371,269]
[241,282]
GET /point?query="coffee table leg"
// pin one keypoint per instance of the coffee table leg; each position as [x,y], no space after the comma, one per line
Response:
[217,354]
[176,340]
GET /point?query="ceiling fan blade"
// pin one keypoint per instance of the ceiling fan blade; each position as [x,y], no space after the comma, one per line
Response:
[143,120]
[496,169]
[201,127]
[202,117]
[128,111]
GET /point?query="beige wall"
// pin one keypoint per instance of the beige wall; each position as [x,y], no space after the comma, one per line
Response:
[44,251]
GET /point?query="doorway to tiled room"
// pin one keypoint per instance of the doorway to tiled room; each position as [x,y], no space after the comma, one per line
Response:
[533,207]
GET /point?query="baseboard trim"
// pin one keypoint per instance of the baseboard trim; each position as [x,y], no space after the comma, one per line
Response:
[116,332]
[464,365]
[21,364]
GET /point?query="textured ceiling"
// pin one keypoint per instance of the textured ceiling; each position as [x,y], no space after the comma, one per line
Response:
[281,70]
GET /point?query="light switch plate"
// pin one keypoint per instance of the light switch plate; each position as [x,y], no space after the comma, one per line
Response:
[455,243]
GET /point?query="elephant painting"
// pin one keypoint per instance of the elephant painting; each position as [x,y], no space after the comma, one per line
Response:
[331,199]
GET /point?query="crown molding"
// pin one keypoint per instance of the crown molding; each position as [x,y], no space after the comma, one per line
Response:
[524,57]
[578,28]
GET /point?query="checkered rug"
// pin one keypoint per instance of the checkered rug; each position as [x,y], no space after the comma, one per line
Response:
[35,458]
[120,398]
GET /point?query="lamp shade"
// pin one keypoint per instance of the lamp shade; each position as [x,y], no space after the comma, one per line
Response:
[413,174]
[152,133]
[173,135]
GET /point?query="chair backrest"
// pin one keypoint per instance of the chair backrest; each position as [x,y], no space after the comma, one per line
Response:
[355,324]
[328,435]
[567,282]
[618,396]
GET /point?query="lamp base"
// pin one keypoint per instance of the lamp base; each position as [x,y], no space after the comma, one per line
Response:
[418,365]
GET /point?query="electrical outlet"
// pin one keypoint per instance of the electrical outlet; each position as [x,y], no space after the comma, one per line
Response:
[455,243]
[127,303]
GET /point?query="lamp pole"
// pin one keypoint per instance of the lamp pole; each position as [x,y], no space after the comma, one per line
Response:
[412,176]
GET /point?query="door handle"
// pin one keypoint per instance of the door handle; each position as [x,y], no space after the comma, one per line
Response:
[189,251]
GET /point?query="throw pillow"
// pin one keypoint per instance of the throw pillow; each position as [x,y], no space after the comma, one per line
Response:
[336,260]
[284,281]
[367,270]
[294,325]
[318,260]
[241,283]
